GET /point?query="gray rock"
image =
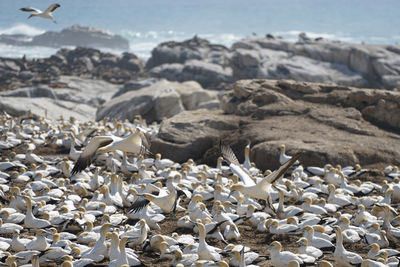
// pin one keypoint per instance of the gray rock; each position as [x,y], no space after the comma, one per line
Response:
[334,124]
[373,66]
[159,100]
[135,85]
[32,92]
[44,106]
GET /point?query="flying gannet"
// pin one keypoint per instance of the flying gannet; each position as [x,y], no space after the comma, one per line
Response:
[47,14]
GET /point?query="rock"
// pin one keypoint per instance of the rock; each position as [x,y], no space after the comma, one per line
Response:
[324,61]
[135,85]
[205,73]
[193,95]
[75,35]
[180,52]
[81,62]
[43,106]
[159,100]
[32,92]
[326,123]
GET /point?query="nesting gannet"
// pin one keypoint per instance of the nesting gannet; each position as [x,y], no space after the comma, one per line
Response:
[281,258]
[283,158]
[318,242]
[47,14]
[309,250]
[344,258]
[30,220]
[375,252]
[39,243]
[136,142]
[205,251]
[371,263]
[98,251]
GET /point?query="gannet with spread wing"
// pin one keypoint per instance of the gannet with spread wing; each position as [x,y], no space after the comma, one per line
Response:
[47,14]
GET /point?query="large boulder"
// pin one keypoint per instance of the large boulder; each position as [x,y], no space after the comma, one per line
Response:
[154,102]
[46,107]
[68,96]
[326,123]
[206,73]
[180,52]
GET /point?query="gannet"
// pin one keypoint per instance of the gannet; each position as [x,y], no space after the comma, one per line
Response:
[309,250]
[47,14]
[167,202]
[30,220]
[283,158]
[98,251]
[375,252]
[281,258]
[39,243]
[262,189]
[344,258]
[136,142]
[205,251]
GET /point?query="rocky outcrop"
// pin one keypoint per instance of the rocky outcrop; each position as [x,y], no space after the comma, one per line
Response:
[80,62]
[75,35]
[326,123]
[359,65]
[68,96]
[160,100]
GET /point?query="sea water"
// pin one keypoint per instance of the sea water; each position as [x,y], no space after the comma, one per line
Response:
[146,23]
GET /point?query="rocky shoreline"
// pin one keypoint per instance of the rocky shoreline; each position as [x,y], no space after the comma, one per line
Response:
[310,93]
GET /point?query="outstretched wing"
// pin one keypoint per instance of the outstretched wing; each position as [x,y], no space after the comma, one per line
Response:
[228,154]
[86,158]
[30,9]
[282,170]
[146,144]
[236,167]
[51,8]
[139,204]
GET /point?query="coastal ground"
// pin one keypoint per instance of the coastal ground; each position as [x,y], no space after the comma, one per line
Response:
[249,237]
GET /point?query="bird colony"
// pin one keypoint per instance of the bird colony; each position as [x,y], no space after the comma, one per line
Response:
[79,194]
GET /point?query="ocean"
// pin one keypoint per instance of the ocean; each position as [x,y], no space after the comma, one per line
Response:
[146,23]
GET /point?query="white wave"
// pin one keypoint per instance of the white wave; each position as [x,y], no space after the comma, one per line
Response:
[226,39]
[28,51]
[293,36]
[21,28]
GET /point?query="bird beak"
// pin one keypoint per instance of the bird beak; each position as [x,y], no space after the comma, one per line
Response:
[230,193]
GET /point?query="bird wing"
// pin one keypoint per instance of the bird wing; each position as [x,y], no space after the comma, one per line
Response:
[30,9]
[270,179]
[139,204]
[86,158]
[51,8]
[230,157]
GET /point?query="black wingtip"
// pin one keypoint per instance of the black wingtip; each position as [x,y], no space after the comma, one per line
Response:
[138,205]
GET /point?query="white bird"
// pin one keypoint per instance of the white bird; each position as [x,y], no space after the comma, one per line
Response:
[283,158]
[309,250]
[262,189]
[281,258]
[30,220]
[344,258]
[136,142]
[47,14]
[205,251]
